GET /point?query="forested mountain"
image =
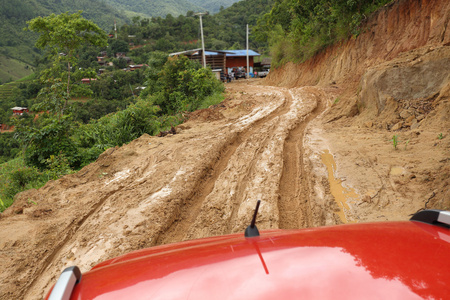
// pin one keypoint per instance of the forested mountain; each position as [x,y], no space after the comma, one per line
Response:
[161,8]
[213,6]
[154,8]
[18,45]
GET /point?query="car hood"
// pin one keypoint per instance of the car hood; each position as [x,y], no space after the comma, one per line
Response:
[395,260]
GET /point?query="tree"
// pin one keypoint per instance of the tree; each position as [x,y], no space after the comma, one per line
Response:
[183,84]
[119,46]
[63,34]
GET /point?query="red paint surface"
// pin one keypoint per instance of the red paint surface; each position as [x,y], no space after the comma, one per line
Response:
[233,62]
[396,260]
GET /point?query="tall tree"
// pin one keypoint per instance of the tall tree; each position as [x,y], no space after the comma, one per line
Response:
[63,34]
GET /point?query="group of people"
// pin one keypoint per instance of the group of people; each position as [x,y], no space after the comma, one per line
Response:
[230,76]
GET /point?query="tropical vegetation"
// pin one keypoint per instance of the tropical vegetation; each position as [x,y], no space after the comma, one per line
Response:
[296,30]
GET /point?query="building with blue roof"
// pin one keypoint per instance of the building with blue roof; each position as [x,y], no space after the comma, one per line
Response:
[225,61]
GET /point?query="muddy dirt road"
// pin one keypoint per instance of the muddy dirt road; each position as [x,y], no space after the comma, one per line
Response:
[263,142]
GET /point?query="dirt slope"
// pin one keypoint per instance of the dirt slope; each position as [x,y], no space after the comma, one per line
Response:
[315,155]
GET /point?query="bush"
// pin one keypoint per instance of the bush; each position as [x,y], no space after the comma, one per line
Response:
[183,84]
[118,129]
[49,135]
[15,177]
[23,176]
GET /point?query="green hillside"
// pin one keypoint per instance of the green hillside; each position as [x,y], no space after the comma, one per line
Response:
[17,45]
[11,69]
[156,8]
[161,8]
[213,6]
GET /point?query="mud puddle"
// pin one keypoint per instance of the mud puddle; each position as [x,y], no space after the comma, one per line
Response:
[342,195]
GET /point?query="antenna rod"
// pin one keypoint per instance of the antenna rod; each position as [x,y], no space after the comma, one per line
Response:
[252,225]
[252,230]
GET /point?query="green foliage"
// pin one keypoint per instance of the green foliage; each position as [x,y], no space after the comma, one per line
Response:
[96,108]
[213,99]
[440,136]
[9,147]
[310,25]
[15,177]
[19,45]
[214,6]
[119,46]
[395,141]
[182,85]
[21,177]
[11,68]
[62,35]
[58,165]
[115,85]
[118,129]
[49,135]
[154,8]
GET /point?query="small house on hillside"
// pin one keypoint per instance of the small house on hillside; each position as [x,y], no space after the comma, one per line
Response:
[135,67]
[101,60]
[87,80]
[18,111]
[214,59]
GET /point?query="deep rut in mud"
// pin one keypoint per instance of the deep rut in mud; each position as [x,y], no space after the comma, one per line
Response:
[293,204]
[193,203]
[251,143]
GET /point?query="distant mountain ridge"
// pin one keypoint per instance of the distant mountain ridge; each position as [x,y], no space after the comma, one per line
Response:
[161,8]
[213,6]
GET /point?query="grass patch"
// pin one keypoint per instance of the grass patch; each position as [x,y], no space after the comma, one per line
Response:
[12,69]
[30,77]
[214,99]
[16,177]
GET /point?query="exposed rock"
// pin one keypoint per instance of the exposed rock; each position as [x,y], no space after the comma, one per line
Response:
[397,126]
[404,114]
[409,120]
[415,124]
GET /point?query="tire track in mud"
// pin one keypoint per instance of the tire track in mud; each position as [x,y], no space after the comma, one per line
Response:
[70,234]
[294,200]
[193,203]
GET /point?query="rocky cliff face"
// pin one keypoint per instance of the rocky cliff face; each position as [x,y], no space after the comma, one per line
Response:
[401,26]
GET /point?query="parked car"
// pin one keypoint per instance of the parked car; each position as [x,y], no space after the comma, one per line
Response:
[383,260]
[239,73]
[263,73]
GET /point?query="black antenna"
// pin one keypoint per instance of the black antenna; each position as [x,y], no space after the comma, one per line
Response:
[252,230]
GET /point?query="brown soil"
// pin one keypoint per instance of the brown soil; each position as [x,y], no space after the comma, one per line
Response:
[315,154]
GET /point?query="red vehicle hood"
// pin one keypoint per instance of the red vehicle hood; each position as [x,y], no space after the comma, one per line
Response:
[396,260]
